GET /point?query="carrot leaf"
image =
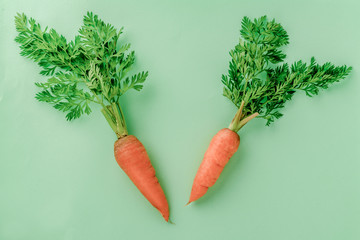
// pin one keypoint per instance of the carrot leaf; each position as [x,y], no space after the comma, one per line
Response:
[93,68]
[258,77]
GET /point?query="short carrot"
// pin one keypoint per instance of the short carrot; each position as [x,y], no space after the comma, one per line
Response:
[92,69]
[223,145]
[258,89]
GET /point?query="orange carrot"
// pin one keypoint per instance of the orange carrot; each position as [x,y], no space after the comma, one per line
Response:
[131,156]
[259,87]
[223,145]
[106,81]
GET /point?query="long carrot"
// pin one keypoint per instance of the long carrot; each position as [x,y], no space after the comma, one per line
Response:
[132,157]
[259,90]
[95,60]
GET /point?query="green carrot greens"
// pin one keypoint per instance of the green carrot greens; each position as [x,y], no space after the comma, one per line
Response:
[92,68]
[258,85]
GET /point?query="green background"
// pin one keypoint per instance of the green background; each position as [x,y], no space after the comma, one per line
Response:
[297,179]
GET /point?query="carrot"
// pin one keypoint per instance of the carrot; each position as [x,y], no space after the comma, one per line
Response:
[259,88]
[92,69]
[131,156]
[223,145]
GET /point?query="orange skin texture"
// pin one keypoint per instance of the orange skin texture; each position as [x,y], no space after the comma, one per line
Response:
[132,157]
[222,146]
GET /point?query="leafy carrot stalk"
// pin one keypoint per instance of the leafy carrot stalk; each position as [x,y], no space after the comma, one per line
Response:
[259,86]
[92,68]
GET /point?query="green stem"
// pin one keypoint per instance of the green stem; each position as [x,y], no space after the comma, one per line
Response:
[115,117]
[99,100]
[247,119]
[120,121]
[237,118]
[245,85]
[122,117]
[240,120]
[108,118]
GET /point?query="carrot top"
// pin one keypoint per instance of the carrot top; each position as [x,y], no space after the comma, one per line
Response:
[256,81]
[92,68]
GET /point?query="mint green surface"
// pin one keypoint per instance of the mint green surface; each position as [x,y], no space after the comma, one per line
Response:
[297,179]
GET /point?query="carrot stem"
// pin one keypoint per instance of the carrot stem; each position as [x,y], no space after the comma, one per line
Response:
[236,119]
[247,119]
[238,122]
[109,119]
[115,117]
[122,117]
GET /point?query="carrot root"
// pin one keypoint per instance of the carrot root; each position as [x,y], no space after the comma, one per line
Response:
[223,145]
[132,157]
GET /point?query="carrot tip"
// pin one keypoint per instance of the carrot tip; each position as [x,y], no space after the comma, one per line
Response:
[187,203]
